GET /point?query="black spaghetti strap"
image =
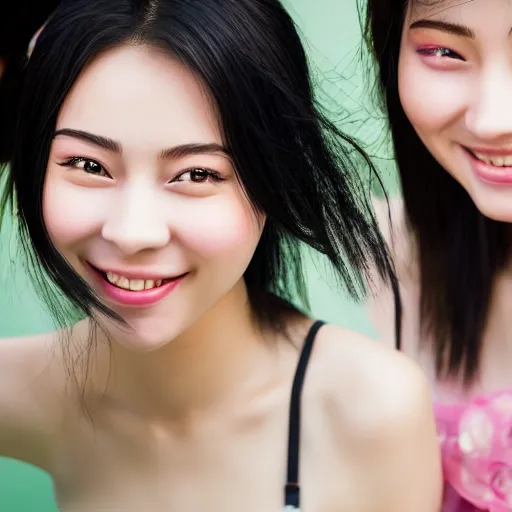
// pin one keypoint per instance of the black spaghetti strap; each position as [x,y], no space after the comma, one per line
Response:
[292,488]
[398,312]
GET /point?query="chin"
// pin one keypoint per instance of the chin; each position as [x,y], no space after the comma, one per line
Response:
[144,335]
[498,213]
[143,342]
[492,201]
[496,205]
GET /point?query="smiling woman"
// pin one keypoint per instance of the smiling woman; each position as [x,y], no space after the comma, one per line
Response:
[169,162]
[445,75]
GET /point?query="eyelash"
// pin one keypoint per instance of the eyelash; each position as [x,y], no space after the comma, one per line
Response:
[439,52]
[74,161]
[210,175]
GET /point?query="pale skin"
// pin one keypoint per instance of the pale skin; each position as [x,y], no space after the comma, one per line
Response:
[190,408]
[455,75]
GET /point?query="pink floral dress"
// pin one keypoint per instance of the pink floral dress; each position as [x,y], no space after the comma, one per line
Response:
[476,446]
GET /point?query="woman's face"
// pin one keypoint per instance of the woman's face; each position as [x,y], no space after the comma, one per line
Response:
[455,83]
[141,197]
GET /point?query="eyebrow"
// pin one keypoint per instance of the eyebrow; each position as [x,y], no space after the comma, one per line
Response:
[91,138]
[113,146]
[193,149]
[451,28]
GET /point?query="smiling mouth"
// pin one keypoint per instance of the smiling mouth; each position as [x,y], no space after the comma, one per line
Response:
[133,285]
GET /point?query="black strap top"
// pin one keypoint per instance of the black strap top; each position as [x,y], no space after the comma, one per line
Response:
[292,487]
[398,312]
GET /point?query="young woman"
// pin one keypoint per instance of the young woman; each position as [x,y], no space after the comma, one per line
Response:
[445,74]
[168,163]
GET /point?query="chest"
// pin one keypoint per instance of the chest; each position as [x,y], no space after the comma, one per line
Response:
[218,465]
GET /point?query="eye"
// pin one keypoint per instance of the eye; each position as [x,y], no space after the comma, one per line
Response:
[87,165]
[198,175]
[439,52]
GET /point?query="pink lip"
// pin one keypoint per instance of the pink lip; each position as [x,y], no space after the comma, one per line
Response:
[489,173]
[141,298]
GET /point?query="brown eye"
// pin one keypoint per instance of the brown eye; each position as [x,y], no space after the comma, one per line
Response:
[92,167]
[86,165]
[198,176]
[440,52]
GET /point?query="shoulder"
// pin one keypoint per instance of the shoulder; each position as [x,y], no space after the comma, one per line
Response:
[378,402]
[390,388]
[390,215]
[32,383]
[381,303]
[24,361]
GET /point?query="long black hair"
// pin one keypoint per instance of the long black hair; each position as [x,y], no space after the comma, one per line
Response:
[293,163]
[460,250]
[19,20]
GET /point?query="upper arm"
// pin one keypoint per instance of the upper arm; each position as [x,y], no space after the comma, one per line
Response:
[404,462]
[26,408]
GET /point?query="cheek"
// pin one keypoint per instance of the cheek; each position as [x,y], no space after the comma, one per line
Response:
[226,227]
[432,99]
[70,213]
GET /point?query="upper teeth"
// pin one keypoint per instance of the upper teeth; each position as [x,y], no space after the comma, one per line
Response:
[497,161]
[132,284]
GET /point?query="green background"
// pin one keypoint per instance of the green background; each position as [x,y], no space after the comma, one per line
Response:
[331,33]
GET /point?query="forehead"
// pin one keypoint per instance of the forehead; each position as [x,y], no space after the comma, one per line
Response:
[140,97]
[471,10]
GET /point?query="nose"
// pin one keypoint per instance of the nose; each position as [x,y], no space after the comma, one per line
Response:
[135,222]
[490,116]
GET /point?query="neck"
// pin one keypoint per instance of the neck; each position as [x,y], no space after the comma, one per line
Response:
[219,359]
[497,339]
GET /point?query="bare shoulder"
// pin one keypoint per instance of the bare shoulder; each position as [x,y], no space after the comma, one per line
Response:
[389,214]
[31,385]
[379,405]
[392,224]
[389,387]
[381,303]
[24,362]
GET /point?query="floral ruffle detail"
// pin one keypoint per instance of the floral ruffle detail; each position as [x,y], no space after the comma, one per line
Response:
[476,446]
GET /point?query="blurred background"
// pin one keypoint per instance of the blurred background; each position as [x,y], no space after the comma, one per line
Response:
[331,34]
